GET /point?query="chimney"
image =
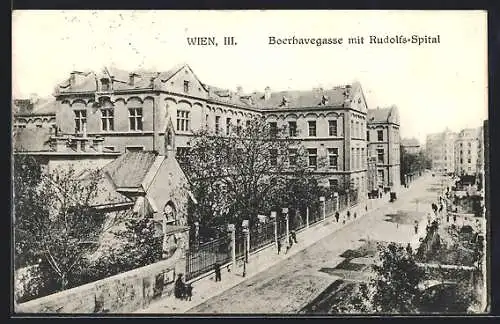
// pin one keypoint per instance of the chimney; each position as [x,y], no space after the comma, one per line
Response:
[267,93]
[131,77]
[34,98]
[72,79]
[239,90]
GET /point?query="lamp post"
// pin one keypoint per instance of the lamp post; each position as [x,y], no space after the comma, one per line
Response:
[322,199]
[246,244]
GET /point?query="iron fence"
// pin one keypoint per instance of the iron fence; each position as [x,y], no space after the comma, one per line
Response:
[202,259]
[261,235]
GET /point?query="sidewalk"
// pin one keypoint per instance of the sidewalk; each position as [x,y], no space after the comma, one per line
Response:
[206,287]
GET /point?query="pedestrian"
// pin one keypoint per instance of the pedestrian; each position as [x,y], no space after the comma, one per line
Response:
[290,239]
[337,216]
[366,207]
[409,250]
[279,246]
[179,287]
[348,215]
[189,291]
[416,228]
[294,236]
[447,218]
[217,271]
[355,215]
[454,218]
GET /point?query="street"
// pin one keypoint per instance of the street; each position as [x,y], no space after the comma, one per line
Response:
[290,285]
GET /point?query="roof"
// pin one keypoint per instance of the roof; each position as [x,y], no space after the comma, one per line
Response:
[303,98]
[130,169]
[43,106]
[383,115]
[32,139]
[410,142]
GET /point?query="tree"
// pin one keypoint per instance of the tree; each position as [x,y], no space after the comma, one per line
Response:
[55,219]
[396,281]
[232,177]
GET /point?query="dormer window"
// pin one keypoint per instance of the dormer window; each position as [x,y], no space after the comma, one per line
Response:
[324,100]
[105,84]
[284,102]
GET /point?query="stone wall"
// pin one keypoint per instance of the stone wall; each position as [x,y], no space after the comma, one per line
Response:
[122,293]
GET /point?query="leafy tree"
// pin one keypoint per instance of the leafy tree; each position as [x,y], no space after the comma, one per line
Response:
[55,219]
[396,281]
[232,177]
[136,245]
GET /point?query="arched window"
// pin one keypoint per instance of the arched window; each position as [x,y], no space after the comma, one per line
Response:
[169,214]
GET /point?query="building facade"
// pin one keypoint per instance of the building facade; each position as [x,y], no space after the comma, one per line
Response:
[34,112]
[440,148]
[384,143]
[467,151]
[410,145]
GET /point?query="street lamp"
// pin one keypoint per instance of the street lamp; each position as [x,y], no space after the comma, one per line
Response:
[273,217]
[244,224]
[285,211]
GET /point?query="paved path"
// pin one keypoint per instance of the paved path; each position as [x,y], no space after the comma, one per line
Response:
[286,283]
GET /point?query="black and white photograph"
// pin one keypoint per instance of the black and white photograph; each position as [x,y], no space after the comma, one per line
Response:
[295,162]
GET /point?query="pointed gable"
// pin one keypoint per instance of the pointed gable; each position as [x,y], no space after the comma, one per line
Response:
[181,79]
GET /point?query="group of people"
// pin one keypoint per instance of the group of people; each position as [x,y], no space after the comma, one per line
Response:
[182,290]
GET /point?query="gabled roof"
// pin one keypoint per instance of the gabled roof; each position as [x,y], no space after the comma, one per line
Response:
[383,115]
[130,169]
[32,139]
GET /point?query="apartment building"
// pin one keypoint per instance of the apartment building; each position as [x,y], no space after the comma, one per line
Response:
[410,145]
[440,148]
[384,144]
[467,151]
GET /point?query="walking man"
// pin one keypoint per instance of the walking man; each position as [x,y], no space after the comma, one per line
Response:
[279,246]
[337,215]
[217,271]
[416,228]
[293,236]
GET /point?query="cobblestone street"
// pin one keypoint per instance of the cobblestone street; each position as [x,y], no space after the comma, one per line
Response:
[292,283]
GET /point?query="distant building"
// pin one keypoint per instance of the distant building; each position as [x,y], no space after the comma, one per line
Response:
[384,142]
[410,145]
[440,149]
[467,148]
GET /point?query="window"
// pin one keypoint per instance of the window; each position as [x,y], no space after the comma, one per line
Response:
[469,144]
[353,163]
[217,124]
[461,144]
[247,123]
[367,135]
[273,155]
[80,120]
[461,152]
[182,120]
[334,184]
[107,119]
[105,84]
[38,126]
[313,157]
[134,148]
[228,126]
[380,155]
[461,160]
[469,160]
[238,126]
[380,135]
[292,128]
[332,128]
[357,130]
[273,129]
[186,86]
[358,158]
[206,121]
[292,157]
[312,128]
[109,148]
[380,177]
[135,118]
[333,154]
[363,158]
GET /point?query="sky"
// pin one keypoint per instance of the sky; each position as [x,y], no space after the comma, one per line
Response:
[433,85]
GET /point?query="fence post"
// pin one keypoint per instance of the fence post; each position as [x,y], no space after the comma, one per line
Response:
[232,229]
[285,211]
[273,216]
[307,217]
[322,199]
